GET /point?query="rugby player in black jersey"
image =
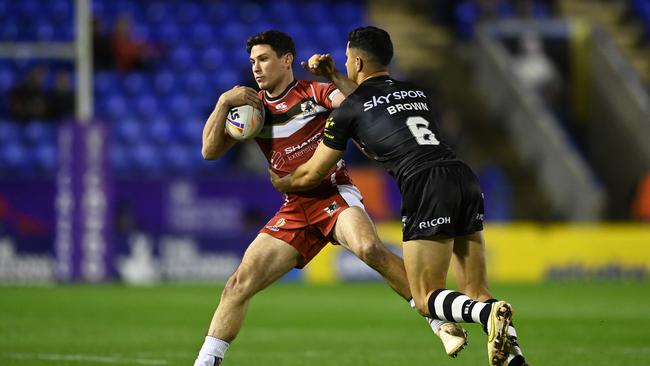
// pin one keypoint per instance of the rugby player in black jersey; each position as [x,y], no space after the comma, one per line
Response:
[442,204]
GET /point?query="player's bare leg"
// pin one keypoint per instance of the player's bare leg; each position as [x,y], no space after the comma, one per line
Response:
[427,263]
[470,272]
[265,260]
[355,231]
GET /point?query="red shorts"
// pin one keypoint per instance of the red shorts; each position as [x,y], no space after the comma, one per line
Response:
[306,223]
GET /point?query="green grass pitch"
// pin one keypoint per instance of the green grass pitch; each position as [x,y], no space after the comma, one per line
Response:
[296,324]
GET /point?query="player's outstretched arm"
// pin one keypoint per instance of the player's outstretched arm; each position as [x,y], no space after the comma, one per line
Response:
[215,139]
[310,174]
[323,65]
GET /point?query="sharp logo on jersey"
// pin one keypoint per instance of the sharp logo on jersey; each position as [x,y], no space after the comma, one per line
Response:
[385,99]
[281,106]
[308,108]
[290,149]
[333,207]
[435,222]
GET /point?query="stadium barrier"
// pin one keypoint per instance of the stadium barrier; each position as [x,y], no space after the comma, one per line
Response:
[525,253]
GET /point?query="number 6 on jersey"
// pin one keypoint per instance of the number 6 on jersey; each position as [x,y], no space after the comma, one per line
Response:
[418,126]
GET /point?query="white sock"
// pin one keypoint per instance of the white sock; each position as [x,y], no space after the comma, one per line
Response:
[212,347]
[515,350]
[434,323]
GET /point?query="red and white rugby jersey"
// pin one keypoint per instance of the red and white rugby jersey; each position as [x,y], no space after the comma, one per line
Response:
[293,127]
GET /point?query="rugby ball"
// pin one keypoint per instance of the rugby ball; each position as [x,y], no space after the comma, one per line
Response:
[244,122]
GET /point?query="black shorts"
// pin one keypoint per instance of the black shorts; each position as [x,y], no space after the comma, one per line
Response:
[444,199]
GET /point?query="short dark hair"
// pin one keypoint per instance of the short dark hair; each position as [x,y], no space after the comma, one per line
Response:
[373,41]
[280,42]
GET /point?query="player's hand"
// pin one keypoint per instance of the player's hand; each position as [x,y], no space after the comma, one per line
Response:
[277,181]
[320,65]
[240,95]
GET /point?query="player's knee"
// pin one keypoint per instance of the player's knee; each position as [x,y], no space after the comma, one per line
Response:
[371,253]
[237,287]
[422,306]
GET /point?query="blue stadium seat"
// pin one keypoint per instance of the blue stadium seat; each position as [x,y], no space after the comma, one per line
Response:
[10,132]
[146,105]
[283,12]
[168,32]
[64,32]
[7,79]
[218,12]
[61,11]
[164,83]
[157,12]
[135,83]
[226,80]
[14,156]
[195,82]
[329,37]
[40,132]
[212,58]
[4,9]
[44,32]
[349,14]
[234,34]
[9,30]
[255,28]
[250,13]
[202,35]
[467,14]
[45,157]
[181,58]
[190,129]
[141,32]
[145,157]
[129,131]
[314,12]
[119,158]
[105,83]
[180,157]
[187,12]
[180,106]
[115,107]
[160,131]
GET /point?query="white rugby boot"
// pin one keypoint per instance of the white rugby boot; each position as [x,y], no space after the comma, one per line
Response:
[453,337]
[498,340]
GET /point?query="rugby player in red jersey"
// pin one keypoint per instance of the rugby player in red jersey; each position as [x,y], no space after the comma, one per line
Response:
[332,211]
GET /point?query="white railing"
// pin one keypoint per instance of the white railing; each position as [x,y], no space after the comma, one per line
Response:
[563,174]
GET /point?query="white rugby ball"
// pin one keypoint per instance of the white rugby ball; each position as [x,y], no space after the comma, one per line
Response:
[244,122]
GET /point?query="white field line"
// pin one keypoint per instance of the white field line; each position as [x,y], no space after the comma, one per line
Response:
[84,358]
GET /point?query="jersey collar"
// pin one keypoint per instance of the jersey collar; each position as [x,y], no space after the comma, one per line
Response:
[283,94]
[375,79]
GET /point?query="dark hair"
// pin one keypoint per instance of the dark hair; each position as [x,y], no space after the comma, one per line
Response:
[280,42]
[373,41]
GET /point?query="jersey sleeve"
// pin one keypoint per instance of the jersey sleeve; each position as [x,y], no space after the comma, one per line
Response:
[339,127]
[324,92]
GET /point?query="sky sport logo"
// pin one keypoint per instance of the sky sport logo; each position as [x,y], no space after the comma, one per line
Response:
[434,222]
